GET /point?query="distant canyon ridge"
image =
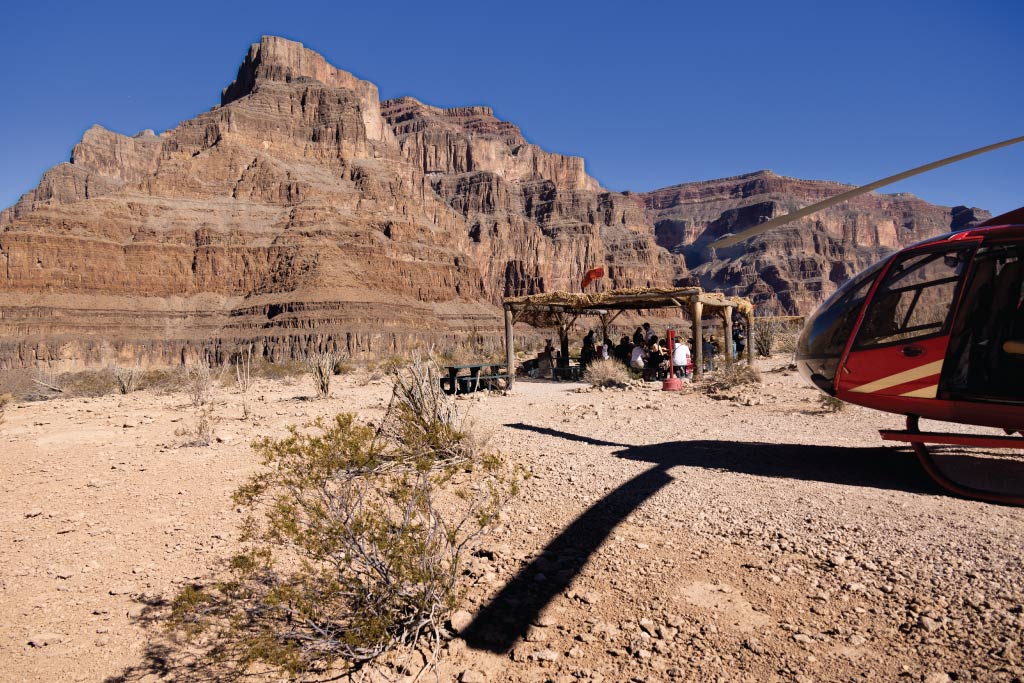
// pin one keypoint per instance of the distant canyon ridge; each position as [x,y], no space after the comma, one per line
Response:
[303,214]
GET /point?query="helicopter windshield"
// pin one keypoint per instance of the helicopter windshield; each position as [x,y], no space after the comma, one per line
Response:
[826,332]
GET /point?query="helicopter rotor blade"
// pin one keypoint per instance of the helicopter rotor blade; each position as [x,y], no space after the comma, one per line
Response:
[730,240]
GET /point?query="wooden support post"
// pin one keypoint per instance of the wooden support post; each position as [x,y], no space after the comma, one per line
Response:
[750,337]
[727,324]
[563,346]
[698,340]
[510,352]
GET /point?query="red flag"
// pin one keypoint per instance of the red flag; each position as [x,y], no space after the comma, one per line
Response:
[592,274]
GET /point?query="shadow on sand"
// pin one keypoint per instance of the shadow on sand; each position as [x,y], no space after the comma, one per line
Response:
[506,617]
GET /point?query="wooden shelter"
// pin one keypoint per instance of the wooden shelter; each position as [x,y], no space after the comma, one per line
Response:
[561,309]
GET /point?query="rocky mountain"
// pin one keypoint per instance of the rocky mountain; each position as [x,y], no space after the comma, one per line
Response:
[303,214]
[790,270]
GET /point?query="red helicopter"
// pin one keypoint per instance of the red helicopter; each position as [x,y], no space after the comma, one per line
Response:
[934,331]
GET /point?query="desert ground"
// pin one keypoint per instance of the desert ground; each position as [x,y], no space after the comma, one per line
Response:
[661,537]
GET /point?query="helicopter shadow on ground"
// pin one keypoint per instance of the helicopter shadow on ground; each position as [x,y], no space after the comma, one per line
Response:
[506,618]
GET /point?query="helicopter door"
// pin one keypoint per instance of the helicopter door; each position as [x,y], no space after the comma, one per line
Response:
[901,342]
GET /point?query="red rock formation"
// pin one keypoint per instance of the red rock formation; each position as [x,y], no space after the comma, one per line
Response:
[792,268]
[303,214]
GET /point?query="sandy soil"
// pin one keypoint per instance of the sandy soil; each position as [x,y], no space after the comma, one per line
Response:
[662,537]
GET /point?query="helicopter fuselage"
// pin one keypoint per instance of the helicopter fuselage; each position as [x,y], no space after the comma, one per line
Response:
[936,330]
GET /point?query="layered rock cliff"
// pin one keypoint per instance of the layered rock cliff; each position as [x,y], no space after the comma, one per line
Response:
[303,213]
[792,269]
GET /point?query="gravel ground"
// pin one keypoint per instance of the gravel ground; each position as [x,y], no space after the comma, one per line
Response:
[661,537]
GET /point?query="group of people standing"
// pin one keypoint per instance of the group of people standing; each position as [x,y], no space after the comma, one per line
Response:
[645,353]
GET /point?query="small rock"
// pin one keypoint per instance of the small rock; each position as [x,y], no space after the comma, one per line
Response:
[34,512]
[121,590]
[928,624]
[471,676]
[546,656]
[857,640]
[44,639]
[460,620]
[754,645]
[545,619]
[536,634]
[937,677]
[803,638]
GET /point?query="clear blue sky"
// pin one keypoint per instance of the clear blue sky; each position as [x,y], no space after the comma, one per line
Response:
[650,94]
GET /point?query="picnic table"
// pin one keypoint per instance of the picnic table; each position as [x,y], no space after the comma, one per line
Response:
[477,378]
[569,369]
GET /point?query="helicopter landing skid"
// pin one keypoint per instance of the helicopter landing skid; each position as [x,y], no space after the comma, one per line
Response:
[919,442]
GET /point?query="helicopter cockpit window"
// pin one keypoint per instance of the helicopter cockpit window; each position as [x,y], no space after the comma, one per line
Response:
[915,299]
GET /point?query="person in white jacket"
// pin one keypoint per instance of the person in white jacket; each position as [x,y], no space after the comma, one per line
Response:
[681,357]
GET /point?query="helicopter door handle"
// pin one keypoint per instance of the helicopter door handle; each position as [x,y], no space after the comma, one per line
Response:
[912,351]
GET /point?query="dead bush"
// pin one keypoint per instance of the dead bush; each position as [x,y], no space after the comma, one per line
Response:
[200,433]
[5,399]
[243,377]
[607,373]
[321,367]
[766,333]
[199,379]
[128,379]
[48,383]
[278,370]
[729,376]
[353,544]
[392,364]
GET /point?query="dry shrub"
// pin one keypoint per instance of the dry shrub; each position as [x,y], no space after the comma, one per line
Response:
[5,399]
[243,377]
[321,367]
[392,364]
[353,543]
[729,376]
[48,383]
[278,370]
[607,373]
[200,434]
[766,332]
[830,404]
[199,379]
[128,379]
[89,383]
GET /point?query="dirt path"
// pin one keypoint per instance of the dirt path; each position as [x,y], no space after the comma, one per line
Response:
[662,537]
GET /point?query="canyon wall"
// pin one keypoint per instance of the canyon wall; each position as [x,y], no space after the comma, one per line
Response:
[304,214]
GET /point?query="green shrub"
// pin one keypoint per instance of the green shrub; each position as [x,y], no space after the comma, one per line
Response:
[354,541]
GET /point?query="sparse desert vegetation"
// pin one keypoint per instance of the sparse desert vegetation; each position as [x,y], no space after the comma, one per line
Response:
[609,373]
[645,512]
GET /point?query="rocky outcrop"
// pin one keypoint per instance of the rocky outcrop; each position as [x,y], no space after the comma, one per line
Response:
[305,214]
[793,269]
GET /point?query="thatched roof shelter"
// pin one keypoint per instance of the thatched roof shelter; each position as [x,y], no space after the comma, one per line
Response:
[560,309]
